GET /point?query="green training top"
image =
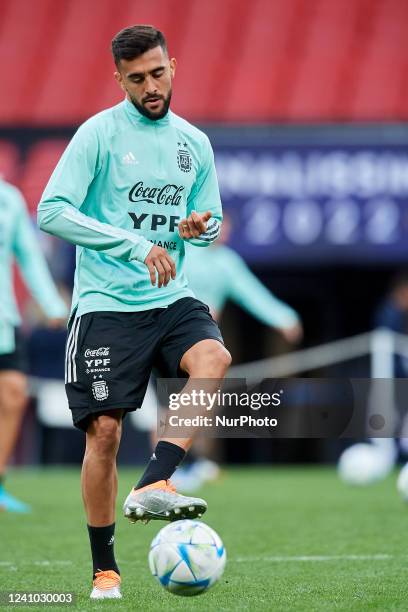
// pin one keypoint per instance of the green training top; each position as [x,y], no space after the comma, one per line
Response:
[18,240]
[221,274]
[123,183]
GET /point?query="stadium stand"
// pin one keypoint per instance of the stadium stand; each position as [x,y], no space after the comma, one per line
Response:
[41,161]
[303,60]
[9,161]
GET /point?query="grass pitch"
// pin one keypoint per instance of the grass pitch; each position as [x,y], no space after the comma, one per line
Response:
[296,539]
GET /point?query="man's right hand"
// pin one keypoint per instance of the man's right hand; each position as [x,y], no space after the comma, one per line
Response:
[159,261]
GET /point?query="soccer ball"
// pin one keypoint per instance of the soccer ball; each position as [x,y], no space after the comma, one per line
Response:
[363,464]
[402,483]
[187,557]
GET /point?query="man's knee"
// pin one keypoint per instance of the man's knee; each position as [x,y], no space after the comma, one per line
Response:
[103,435]
[209,359]
[13,391]
[221,358]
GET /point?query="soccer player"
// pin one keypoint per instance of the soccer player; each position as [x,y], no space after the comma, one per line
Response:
[223,275]
[392,313]
[18,241]
[134,184]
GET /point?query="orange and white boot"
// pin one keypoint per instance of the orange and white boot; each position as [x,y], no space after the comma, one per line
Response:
[106,585]
[160,501]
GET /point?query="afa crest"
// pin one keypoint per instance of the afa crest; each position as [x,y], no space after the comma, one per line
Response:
[184,158]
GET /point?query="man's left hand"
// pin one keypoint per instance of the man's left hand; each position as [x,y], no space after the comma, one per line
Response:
[194,225]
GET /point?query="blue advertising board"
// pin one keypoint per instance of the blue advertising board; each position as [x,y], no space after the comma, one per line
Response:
[318,203]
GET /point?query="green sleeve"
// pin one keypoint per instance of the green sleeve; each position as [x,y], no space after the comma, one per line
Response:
[33,266]
[247,290]
[7,337]
[58,211]
[205,195]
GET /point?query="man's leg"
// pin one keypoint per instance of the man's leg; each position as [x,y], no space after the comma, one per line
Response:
[99,489]
[207,360]
[13,400]
[198,362]
[99,475]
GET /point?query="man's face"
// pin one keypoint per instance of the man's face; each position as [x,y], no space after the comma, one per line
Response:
[147,82]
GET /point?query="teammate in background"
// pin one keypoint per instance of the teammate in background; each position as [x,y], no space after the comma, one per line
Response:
[392,313]
[18,240]
[218,275]
[221,274]
[382,453]
[134,184]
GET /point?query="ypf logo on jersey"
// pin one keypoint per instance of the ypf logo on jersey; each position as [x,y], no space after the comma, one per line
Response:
[183,157]
[100,390]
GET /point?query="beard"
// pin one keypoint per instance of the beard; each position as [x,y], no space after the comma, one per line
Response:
[154,116]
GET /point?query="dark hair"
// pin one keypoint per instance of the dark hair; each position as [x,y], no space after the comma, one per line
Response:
[136,40]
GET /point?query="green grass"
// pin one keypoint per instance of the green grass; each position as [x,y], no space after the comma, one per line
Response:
[267,518]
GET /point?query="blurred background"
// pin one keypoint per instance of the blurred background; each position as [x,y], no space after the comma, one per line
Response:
[305,103]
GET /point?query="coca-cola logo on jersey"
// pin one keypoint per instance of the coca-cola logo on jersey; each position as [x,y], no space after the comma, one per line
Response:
[102,351]
[169,195]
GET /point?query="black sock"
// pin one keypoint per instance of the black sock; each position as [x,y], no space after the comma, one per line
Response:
[190,458]
[165,459]
[102,547]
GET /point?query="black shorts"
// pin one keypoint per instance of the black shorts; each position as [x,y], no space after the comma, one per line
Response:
[110,355]
[17,360]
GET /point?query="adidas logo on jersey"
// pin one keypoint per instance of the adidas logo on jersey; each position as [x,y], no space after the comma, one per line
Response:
[129,159]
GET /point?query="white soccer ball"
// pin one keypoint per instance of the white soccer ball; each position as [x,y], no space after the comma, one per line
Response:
[402,483]
[187,557]
[363,464]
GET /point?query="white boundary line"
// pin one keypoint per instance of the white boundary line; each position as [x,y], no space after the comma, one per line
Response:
[43,563]
[283,559]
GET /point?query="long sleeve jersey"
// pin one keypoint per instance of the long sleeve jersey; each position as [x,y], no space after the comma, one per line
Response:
[18,241]
[221,274]
[123,183]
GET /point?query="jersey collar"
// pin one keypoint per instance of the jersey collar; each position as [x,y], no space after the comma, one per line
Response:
[132,110]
